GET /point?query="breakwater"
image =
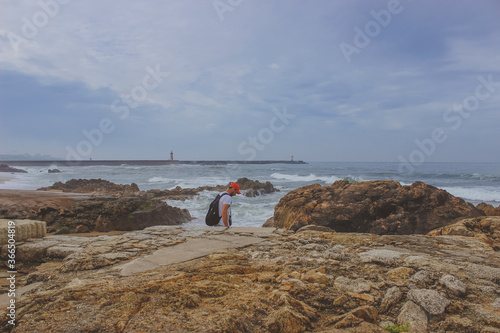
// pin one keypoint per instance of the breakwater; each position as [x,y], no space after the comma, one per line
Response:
[143,162]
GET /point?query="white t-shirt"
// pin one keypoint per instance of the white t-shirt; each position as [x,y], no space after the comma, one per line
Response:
[225,199]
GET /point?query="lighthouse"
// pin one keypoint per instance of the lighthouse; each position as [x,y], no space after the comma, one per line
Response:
[171,155]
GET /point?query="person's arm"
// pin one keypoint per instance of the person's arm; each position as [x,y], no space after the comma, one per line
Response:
[225,215]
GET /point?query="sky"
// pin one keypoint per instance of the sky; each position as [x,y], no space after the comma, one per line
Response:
[397,81]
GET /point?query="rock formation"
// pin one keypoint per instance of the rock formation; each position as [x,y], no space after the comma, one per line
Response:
[93,186]
[487,228]
[65,212]
[250,188]
[488,209]
[253,188]
[380,207]
[255,280]
[6,168]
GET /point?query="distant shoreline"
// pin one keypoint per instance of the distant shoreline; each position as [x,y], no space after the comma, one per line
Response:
[141,162]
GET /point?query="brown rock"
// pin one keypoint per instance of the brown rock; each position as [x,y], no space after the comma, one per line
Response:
[400,274]
[356,316]
[315,228]
[287,320]
[391,297]
[488,209]
[413,314]
[269,223]
[253,188]
[486,228]
[96,186]
[380,207]
[82,228]
[63,211]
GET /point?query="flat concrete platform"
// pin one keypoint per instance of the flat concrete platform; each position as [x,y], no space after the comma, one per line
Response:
[191,249]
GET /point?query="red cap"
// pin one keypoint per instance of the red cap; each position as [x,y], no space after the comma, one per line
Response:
[236,187]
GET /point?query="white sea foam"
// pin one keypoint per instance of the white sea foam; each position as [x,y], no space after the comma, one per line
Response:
[474,183]
[476,194]
[309,178]
[159,180]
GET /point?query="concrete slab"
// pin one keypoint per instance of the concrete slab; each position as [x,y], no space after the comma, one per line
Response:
[191,249]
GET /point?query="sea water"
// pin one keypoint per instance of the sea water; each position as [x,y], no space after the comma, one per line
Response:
[474,182]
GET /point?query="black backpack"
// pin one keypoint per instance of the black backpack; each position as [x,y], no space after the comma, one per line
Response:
[213,216]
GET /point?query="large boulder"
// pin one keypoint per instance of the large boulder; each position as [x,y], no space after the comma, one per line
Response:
[379,207]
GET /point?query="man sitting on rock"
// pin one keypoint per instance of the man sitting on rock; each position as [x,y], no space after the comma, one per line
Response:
[225,204]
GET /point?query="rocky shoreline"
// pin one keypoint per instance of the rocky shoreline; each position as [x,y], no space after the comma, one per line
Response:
[82,205]
[258,280]
[302,276]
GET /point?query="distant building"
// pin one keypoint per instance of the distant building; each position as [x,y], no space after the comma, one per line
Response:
[171,155]
[292,157]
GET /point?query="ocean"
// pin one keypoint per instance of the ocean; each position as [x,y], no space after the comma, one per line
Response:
[474,182]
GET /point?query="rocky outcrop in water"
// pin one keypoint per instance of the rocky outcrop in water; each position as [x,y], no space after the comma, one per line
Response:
[379,207]
[6,168]
[250,188]
[93,186]
[256,280]
[253,188]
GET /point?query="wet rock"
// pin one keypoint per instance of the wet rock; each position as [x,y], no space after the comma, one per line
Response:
[380,207]
[430,300]
[54,171]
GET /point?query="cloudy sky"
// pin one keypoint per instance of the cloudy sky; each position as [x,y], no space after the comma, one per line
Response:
[321,80]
